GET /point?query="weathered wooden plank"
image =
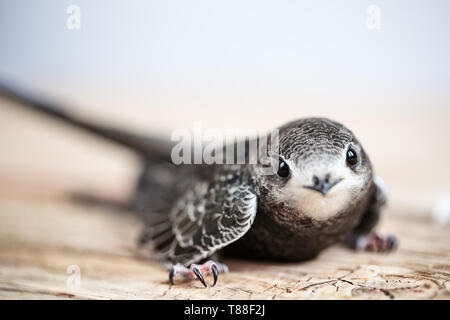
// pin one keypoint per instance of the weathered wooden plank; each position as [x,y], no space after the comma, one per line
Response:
[40,239]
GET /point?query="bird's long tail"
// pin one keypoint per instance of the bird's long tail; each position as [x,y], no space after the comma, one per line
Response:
[150,148]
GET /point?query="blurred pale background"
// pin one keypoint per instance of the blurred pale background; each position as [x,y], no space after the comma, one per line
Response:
[154,66]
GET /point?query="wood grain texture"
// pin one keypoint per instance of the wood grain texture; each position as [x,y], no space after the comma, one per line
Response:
[40,239]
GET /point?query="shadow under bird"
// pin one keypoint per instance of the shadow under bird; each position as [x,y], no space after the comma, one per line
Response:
[323,192]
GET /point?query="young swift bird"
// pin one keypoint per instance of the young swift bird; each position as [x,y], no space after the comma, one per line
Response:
[323,191]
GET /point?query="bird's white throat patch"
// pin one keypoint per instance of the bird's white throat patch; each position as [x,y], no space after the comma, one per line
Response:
[316,205]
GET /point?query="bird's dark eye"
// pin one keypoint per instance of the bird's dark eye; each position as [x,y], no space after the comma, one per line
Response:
[352,157]
[283,169]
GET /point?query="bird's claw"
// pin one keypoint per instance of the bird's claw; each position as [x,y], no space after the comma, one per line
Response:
[198,274]
[376,243]
[197,271]
[171,275]
[215,272]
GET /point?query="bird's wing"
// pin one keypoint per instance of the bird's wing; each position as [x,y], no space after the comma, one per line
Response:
[209,217]
[380,193]
[375,208]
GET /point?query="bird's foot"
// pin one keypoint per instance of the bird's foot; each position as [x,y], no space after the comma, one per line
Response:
[376,243]
[197,271]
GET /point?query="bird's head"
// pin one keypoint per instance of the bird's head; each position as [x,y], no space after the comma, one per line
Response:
[322,169]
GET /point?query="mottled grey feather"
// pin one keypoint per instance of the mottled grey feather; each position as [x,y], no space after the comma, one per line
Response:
[208,217]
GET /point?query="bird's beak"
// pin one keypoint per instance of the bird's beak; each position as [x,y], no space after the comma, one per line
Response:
[323,187]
